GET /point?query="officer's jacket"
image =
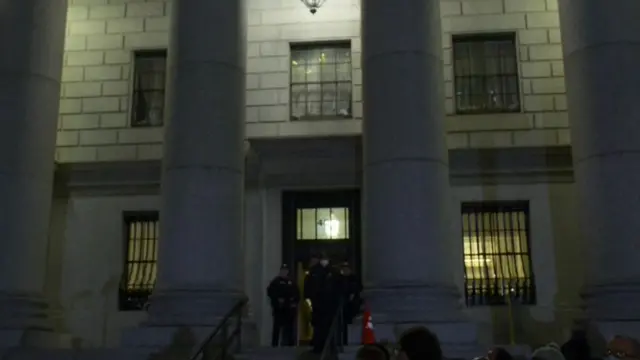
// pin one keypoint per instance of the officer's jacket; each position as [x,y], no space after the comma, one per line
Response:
[351,286]
[285,289]
[322,286]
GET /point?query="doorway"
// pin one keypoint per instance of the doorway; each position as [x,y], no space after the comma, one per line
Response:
[315,222]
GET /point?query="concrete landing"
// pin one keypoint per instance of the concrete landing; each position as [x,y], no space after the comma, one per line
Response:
[269,353]
[122,354]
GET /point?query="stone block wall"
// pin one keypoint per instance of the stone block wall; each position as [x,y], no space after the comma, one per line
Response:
[543,121]
[94,120]
[95,105]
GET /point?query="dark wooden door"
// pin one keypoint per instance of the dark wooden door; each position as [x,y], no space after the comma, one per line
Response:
[315,222]
[319,222]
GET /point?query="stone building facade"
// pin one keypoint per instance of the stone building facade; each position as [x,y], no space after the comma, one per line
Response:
[493,149]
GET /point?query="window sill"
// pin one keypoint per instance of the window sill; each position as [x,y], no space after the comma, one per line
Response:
[145,126]
[488,122]
[305,128]
[488,112]
[321,118]
[495,305]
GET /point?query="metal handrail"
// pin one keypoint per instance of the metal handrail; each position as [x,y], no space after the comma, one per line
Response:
[333,345]
[223,329]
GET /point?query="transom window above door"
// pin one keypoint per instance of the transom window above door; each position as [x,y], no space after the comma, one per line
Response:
[322,224]
[321,81]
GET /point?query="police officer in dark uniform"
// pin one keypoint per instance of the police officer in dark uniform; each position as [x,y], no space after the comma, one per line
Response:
[284,296]
[351,289]
[322,288]
[309,279]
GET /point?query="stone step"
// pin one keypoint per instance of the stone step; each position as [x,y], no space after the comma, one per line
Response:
[260,353]
[35,338]
[71,354]
[348,352]
[269,353]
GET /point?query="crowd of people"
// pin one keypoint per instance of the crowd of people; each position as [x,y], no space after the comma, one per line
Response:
[419,343]
[329,291]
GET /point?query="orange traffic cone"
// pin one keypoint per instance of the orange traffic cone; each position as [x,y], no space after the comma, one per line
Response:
[368,335]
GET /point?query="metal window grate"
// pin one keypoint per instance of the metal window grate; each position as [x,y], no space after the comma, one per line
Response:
[150,68]
[140,267]
[486,73]
[497,253]
[321,81]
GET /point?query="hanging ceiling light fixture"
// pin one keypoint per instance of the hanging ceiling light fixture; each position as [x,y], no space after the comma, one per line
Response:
[313,5]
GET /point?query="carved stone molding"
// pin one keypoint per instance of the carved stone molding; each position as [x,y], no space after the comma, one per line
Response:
[321,163]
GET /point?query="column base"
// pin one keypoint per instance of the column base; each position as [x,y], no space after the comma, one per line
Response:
[458,340]
[613,302]
[416,303]
[180,320]
[34,339]
[24,311]
[614,309]
[155,338]
[190,307]
[396,309]
[609,329]
[178,340]
[26,321]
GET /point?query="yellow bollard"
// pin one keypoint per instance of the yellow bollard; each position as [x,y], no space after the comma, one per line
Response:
[512,329]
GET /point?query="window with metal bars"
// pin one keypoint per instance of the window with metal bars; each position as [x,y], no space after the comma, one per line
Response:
[149,76]
[321,83]
[497,253]
[141,231]
[485,70]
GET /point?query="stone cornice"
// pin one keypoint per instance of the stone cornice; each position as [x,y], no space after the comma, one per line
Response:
[123,178]
[331,163]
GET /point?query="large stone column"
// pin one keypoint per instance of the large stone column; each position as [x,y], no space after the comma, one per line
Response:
[601,41]
[407,230]
[200,262]
[32,38]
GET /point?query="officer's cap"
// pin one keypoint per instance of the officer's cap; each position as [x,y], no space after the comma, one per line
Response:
[284,267]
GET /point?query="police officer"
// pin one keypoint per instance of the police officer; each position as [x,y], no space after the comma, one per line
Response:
[351,289]
[323,290]
[284,296]
[309,279]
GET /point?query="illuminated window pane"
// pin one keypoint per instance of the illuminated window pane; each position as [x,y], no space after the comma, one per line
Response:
[140,269]
[321,82]
[323,224]
[497,263]
[147,105]
[306,224]
[486,73]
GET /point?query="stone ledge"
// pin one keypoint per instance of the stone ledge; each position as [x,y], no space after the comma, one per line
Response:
[279,160]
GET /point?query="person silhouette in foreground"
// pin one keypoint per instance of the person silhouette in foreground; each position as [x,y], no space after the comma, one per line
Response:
[623,348]
[284,297]
[373,352]
[419,343]
[322,289]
